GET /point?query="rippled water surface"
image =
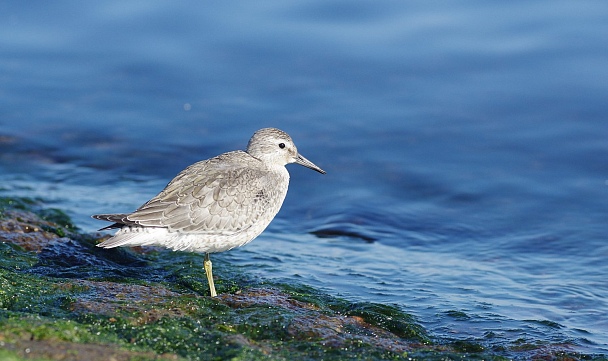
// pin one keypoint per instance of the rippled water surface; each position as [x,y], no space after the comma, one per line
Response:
[466,145]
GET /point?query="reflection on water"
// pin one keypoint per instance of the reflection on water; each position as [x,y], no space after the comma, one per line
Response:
[465,144]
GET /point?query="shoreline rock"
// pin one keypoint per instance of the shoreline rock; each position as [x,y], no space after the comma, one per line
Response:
[62,298]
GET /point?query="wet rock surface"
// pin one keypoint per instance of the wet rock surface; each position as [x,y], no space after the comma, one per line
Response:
[62,298]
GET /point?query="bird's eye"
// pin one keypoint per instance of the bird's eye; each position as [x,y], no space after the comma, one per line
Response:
[281,145]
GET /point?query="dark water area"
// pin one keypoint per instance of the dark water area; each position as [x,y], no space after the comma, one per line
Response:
[466,145]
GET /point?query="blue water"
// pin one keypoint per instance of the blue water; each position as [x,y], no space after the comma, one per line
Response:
[466,144]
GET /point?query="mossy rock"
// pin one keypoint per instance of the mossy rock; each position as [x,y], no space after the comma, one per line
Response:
[67,299]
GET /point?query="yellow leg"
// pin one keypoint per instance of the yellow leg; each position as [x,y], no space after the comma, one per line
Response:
[208,270]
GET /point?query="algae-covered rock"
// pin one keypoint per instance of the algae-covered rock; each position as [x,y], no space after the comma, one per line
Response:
[63,298]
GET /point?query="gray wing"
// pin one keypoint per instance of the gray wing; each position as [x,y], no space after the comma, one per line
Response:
[217,196]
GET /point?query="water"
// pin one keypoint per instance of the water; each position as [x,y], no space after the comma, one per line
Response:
[465,144]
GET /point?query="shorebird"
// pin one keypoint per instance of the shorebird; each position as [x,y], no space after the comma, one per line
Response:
[216,204]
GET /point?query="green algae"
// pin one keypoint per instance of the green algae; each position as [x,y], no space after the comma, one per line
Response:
[58,217]
[56,220]
[17,325]
[19,259]
[387,317]
[457,315]
[15,203]
[467,346]
[70,299]
[6,355]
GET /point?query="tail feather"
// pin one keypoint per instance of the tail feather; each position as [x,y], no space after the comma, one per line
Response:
[132,236]
[130,233]
[116,242]
[120,220]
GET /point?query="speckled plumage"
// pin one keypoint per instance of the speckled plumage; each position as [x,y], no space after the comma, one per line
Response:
[216,204]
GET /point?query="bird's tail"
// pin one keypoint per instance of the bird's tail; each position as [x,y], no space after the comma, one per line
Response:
[120,220]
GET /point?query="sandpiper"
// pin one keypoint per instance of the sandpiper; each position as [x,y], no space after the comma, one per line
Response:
[216,204]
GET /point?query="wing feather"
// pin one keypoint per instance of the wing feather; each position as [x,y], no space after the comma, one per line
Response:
[212,196]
